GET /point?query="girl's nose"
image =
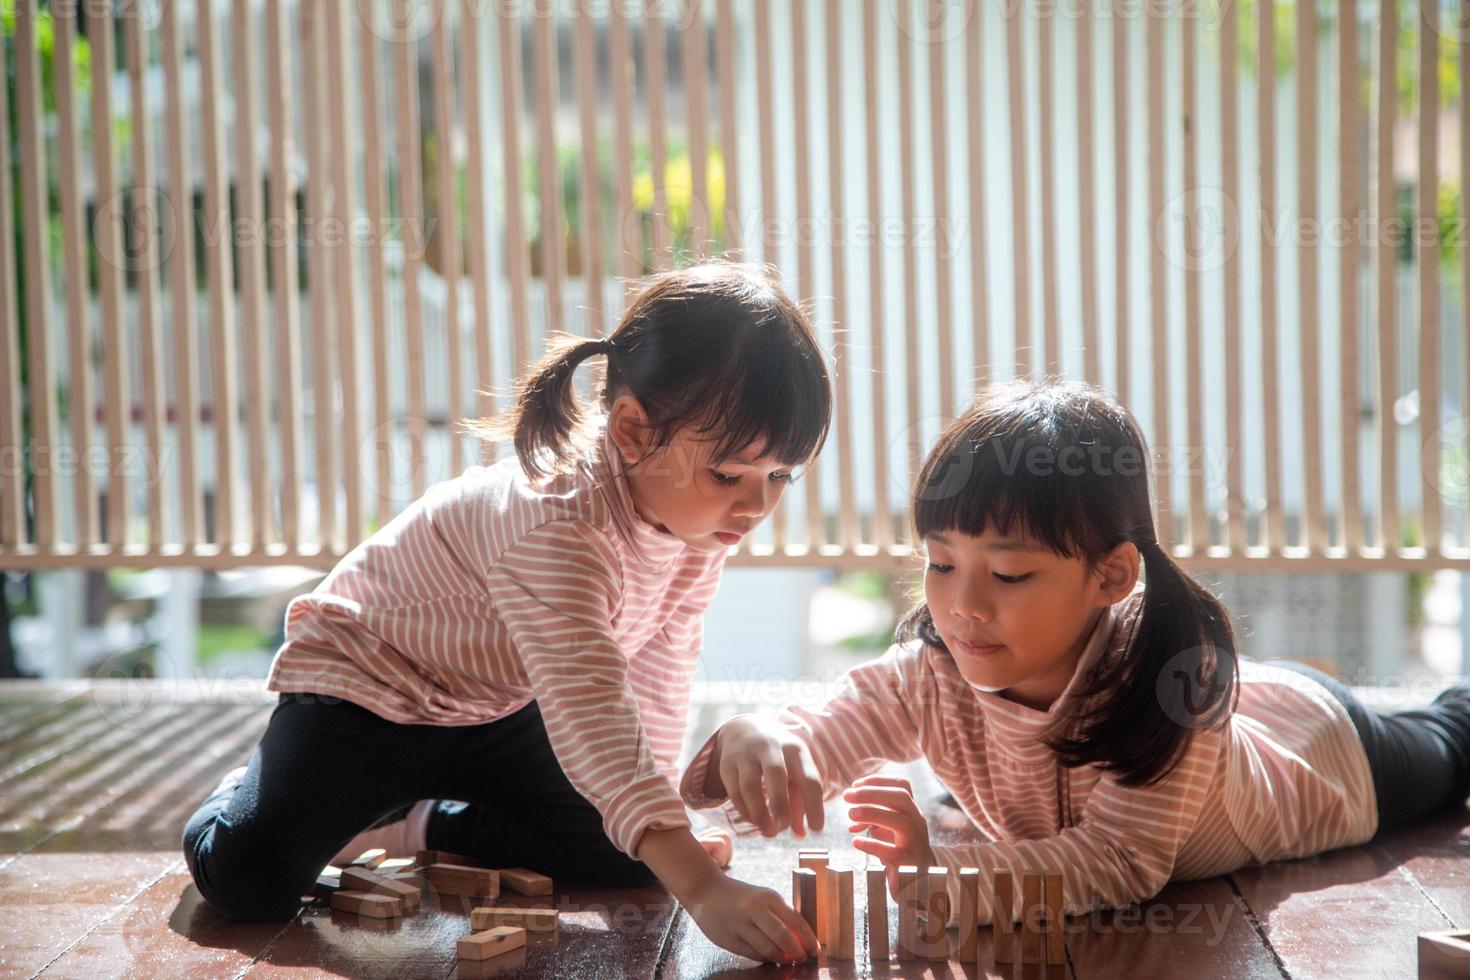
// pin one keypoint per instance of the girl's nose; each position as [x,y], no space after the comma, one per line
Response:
[969,604]
[759,501]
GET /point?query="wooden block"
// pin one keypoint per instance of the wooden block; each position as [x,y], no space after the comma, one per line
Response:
[491,943]
[934,940]
[969,951]
[1003,912]
[372,906]
[523,881]
[826,907]
[908,912]
[363,880]
[811,859]
[370,858]
[804,895]
[456,879]
[531,920]
[392,865]
[425,858]
[1032,913]
[1445,953]
[1056,936]
[877,913]
[842,915]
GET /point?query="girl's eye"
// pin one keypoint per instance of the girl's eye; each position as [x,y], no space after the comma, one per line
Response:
[784,477]
[940,569]
[723,479]
[1011,579]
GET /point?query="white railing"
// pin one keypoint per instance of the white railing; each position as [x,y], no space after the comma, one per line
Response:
[961,192]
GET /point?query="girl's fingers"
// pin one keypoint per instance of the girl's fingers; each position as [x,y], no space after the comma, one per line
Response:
[878,780]
[741,946]
[890,797]
[879,816]
[755,798]
[787,943]
[811,787]
[797,926]
[775,775]
[797,804]
[880,849]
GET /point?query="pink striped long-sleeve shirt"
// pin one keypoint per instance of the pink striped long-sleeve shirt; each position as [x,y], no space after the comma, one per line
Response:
[489,592]
[1286,777]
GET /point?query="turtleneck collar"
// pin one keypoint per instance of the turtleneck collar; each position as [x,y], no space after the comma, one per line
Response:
[648,543]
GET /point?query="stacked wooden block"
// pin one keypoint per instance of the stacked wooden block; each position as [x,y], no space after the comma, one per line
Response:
[823,896]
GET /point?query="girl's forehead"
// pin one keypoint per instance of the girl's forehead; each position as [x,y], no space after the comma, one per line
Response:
[1012,541]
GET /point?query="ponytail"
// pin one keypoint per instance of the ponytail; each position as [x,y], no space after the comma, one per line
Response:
[1176,675]
[547,423]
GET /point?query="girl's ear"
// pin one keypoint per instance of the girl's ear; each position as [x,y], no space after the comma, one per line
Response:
[1119,572]
[627,423]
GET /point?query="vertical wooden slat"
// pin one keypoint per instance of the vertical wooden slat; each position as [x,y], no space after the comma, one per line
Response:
[74,265]
[847,528]
[107,230]
[284,271]
[629,239]
[1309,316]
[319,300]
[1087,199]
[975,150]
[1275,517]
[939,150]
[1051,317]
[654,55]
[1427,255]
[411,207]
[448,231]
[477,265]
[1020,218]
[145,249]
[516,264]
[729,128]
[12,483]
[907,178]
[1121,176]
[591,231]
[553,245]
[696,90]
[1235,537]
[806,244]
[1199,531]
[375,206]
[183,313]
[251,272]
[882,506]
[1350,128]
[344,137]
[219,277]
[1158,308]
[770,206]
[1387,260]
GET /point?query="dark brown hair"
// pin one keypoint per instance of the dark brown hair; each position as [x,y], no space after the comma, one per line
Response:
[1066,465]
[718,346]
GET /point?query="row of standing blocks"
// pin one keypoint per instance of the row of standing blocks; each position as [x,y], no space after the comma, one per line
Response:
[824,897]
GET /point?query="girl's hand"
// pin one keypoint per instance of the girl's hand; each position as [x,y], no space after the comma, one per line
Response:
[751,921]
[884,806]
[718,844]
[768,773]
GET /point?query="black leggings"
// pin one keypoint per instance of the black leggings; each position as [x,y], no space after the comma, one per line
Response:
[326,769]
[1420,760]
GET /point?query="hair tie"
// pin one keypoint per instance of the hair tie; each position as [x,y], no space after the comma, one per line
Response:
[606,346]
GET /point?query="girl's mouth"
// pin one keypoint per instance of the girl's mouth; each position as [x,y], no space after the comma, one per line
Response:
[727,538]
[977,649]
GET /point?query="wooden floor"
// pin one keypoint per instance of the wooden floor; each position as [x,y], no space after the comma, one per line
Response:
[97,781]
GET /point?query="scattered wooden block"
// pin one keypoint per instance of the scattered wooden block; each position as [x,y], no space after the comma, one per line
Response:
[934,940]
[1056,936]
[392,865]
[362,903]
[804,895]
[969,951]
[425,858]
[363,880]
[877,913]
[1003,912]
[456,879]
[531,920]
[843,898]
[1032,917]
[491,943]
[908,912]
[370,858]
[1445,953]
[523,881]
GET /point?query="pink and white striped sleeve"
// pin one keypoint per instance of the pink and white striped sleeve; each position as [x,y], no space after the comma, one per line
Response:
[555,592]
